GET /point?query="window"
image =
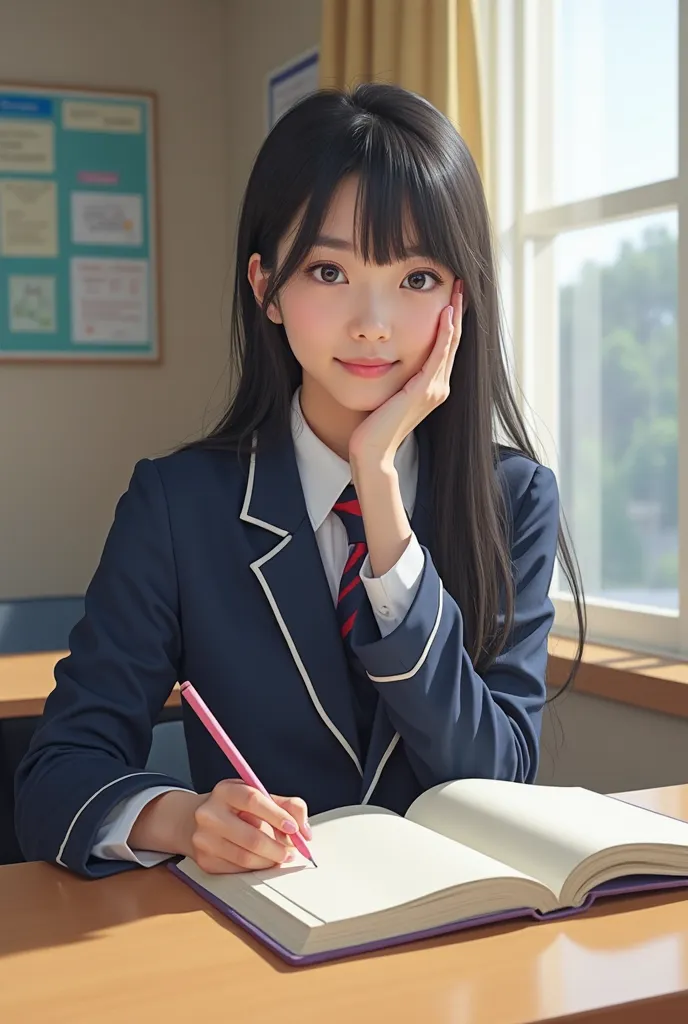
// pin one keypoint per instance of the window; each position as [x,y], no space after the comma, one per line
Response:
[582,101]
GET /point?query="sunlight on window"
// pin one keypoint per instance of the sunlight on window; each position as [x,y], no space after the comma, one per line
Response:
[617,293]
[616,69]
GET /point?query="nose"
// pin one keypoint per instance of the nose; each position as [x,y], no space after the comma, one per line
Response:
[370,322]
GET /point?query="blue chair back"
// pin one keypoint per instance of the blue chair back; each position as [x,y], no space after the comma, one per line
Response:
[27,626]
[36,624]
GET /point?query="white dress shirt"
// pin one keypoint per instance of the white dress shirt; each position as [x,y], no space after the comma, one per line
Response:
[324,475]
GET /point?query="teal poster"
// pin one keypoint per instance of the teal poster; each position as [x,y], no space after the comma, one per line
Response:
[78,272]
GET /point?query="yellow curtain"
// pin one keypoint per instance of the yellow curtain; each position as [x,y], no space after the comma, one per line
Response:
[427,46]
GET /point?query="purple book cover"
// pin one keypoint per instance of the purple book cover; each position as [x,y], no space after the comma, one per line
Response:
[615,887]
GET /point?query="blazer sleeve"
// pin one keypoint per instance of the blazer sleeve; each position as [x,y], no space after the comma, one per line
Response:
[453,722]
[89,751]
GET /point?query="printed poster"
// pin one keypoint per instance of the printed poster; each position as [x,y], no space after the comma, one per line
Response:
[291,83]
[84,116]
[109,301]
[26,147]
[32,304]
[28,218]
[106,218]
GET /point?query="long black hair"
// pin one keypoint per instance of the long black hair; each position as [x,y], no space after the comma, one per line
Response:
[408,159]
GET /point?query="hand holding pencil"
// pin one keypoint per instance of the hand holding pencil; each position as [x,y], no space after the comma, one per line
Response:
[240,826]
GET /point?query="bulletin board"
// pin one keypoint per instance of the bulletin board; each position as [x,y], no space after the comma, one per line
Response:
[79,276]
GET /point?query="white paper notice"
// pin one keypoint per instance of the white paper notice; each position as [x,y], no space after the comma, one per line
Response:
[100,218]
[32,304]
[27,147]
[291,83]
[109,301]
[84,116]
[28,218]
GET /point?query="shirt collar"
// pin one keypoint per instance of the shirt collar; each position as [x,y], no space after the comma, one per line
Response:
[324,475]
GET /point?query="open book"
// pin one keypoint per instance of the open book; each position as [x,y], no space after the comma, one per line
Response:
[466,853]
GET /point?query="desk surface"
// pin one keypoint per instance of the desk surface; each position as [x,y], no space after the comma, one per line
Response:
[142,947]
[27,679]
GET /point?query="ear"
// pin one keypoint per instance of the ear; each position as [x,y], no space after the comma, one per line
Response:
[258,279]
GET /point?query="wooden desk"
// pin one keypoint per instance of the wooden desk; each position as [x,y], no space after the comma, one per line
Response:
[27,679]
[143,947]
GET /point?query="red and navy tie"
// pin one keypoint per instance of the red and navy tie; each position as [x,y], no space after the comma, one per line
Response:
[348,602]
[349,597]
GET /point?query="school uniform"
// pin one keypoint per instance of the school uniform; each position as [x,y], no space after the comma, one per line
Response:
[324,477]
[216,569]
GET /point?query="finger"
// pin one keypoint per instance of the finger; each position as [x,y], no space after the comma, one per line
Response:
[251,819]
[446,344]
[433,364]
[215,865]
[234,856]
[216,819]
[456,339]
[253,839]
[457,320]
[298,810]
[458,307]
[247,798]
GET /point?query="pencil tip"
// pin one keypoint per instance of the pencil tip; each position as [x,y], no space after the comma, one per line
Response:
[313,863]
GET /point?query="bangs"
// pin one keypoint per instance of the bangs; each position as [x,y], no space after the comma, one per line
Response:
[403,202]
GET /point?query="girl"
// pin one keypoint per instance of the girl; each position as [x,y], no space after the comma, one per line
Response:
[349,568]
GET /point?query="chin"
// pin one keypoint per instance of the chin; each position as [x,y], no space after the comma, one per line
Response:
[365,399]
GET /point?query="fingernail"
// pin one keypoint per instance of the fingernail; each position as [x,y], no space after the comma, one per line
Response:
[307,830]
[451,315]
[289,827]
[291,855]
[460,288]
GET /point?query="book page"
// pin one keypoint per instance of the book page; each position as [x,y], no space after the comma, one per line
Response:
[544,831]
[371,862]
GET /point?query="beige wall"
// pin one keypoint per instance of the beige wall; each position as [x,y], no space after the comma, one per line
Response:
[69,435]
[261,37]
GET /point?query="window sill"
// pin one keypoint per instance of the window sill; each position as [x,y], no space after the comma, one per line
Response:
[643,680]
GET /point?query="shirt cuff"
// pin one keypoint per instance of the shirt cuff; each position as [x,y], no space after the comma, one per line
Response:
[111,838]
[391,595]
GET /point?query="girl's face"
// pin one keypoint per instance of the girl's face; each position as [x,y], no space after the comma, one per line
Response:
[360,331]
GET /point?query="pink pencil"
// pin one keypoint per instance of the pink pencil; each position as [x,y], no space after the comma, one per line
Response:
[223,741]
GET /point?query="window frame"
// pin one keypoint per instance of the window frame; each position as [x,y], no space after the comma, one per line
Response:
[508,32]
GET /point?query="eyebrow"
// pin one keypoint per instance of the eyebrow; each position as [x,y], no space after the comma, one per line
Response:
[330,242]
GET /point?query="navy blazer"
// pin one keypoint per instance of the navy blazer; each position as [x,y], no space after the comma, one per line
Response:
[211,572]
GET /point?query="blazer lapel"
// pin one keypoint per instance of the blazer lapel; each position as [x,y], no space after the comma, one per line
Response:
[384,738]
[293,579]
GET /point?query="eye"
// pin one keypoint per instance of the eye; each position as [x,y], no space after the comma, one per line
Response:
[326,273]
[420,278]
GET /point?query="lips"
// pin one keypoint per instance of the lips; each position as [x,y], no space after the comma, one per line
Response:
[367,367]
[368,362]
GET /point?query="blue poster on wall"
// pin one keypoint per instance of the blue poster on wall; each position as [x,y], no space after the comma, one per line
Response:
[78,268]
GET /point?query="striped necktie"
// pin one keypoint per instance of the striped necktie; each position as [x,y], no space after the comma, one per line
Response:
[349,597]
[365,698]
